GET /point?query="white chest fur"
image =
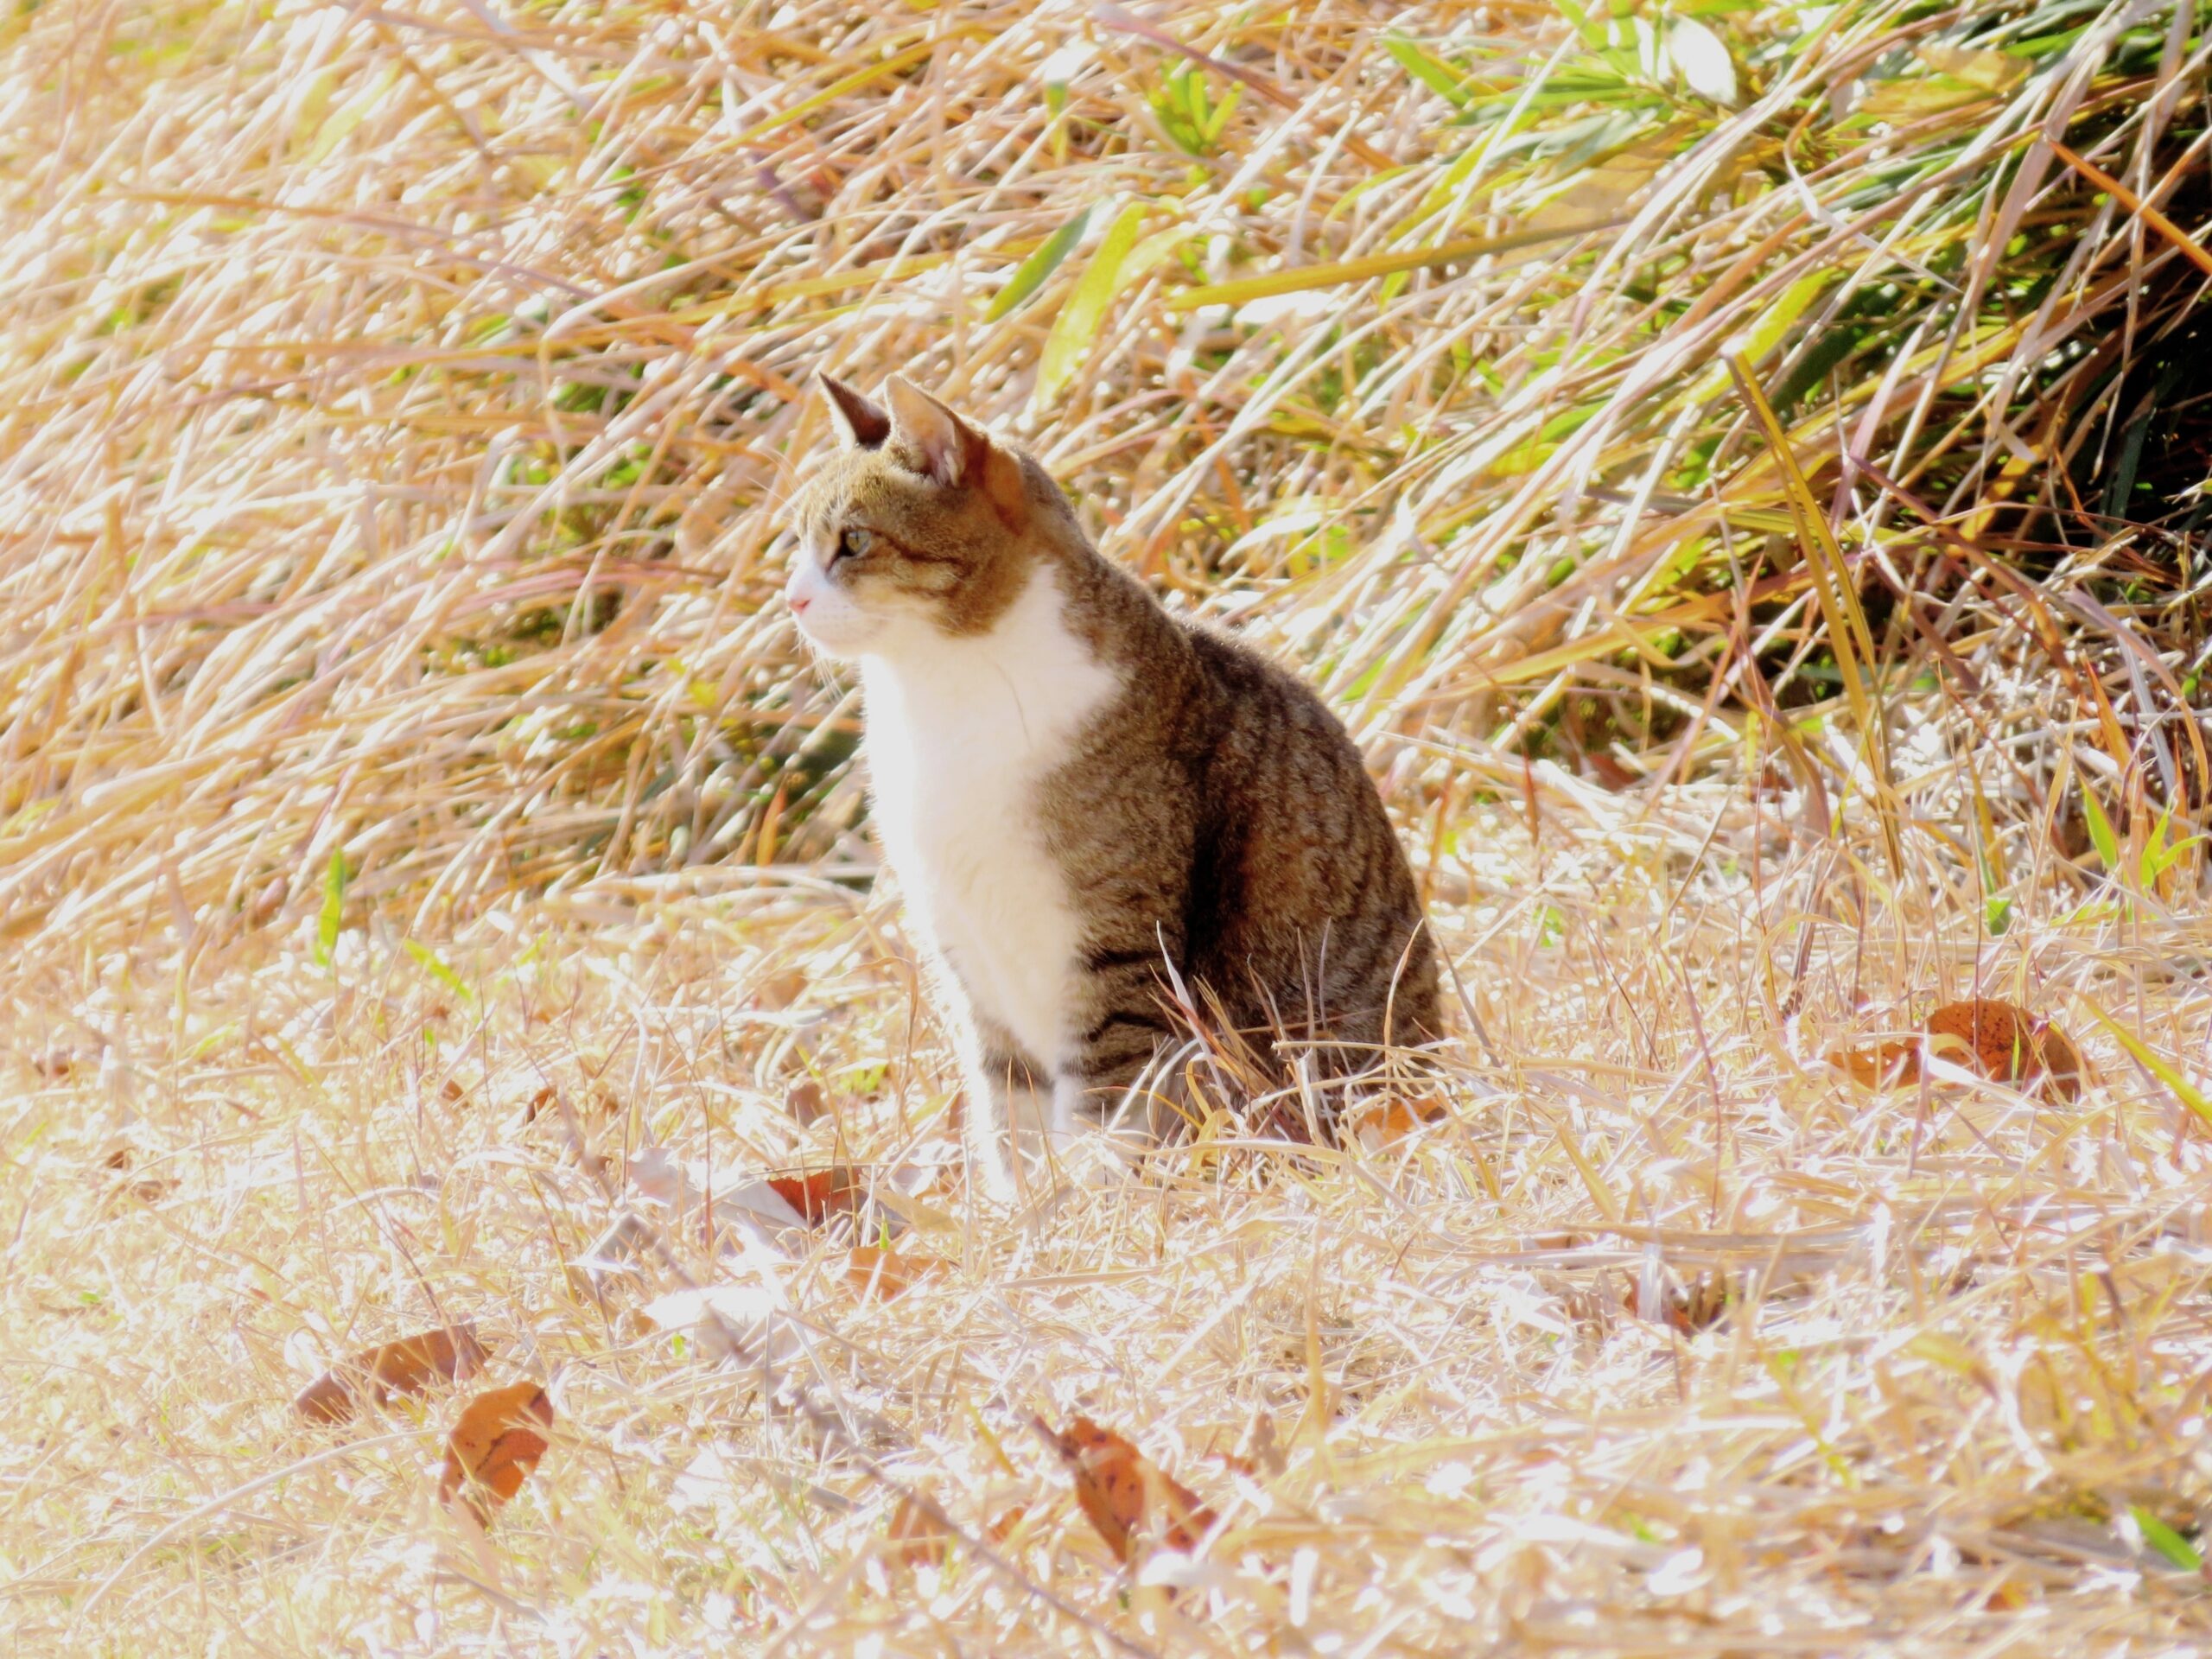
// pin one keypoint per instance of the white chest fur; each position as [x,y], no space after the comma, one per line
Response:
[960,734]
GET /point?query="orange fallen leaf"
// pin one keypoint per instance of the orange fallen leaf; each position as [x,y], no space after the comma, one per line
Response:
[820,1194]
[57,1063]
[1125,1495]
[921,1535]
[1381,1122]
[2007,1595]
[499,1437]
[1696,1305]
[2001,1040]
[778,991]
[885,1274]
[451,1353]
[147,1189]
[1257,1457]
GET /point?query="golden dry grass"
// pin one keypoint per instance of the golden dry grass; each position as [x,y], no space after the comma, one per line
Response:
[398,723]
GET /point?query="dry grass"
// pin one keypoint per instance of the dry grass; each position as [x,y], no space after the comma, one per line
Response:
[394,407]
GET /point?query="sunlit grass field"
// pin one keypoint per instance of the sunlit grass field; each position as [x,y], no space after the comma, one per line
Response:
[1740,471]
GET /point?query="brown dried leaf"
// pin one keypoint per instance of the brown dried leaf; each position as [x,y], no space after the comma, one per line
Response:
[885,1274]
[1385,1122]
[147,1189]
[451,1353]
[821,1193]
[921,1537]
[1878,1065]
[778,991]
[1260,1454]
[804,1101]
[2002,1040]
[496,1441]
[55,1063]
[1125,1495]
[1696,1305]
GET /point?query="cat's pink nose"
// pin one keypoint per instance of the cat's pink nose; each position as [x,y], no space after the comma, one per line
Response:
[799,602]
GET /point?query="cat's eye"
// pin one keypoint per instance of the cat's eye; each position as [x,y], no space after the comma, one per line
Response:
[854,542]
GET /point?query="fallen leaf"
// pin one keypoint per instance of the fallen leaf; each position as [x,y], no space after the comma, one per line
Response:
[1384,1122]
[921,1537]
[1702,60]
[658,1175]
[885,1274]
[804,1101]
[821,1193]
[58,1063]
[745,1323]
[1125,1495]
[499,1437]
[1258,1455]
[451,1354]
[1696,1305]
[608,1262]
[1999,1039]
[147,1189]
[1989,70]
[2007,1595]
[778,991]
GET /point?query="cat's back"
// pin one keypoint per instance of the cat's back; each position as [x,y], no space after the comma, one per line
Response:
[1303,879]
[1270,744]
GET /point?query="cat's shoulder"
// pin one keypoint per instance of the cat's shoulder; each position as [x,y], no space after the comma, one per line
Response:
[1242,671]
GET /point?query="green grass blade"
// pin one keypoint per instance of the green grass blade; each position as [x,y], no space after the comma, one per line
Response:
[1302,277]
[431,962]
[2102,835]
[334,909]
[2168,1542]
[1438,77]
[1029,275]
[1075,328]
[2185,1091]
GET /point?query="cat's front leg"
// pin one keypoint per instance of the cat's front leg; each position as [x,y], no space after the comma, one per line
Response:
[1009,1111]
[1115,1094]
[1107,1117]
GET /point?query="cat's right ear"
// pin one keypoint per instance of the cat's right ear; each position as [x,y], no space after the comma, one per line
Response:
[860,423]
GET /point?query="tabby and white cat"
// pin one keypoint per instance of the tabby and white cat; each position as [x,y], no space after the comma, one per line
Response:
[1086,800]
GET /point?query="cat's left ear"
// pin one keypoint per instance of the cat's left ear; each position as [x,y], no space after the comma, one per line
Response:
[938,442]
[940,445]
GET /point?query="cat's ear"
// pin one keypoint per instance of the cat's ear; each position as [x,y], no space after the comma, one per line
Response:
[941,445]
[938,443]
[862,424]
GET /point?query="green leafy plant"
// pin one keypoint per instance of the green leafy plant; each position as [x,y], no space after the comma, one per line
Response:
[1188,111]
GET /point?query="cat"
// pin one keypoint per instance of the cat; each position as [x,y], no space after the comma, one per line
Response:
[1097,812]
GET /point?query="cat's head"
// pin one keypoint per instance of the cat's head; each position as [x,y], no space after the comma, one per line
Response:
[920,527]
